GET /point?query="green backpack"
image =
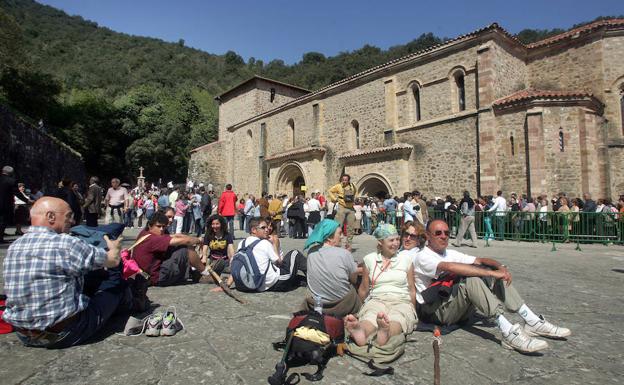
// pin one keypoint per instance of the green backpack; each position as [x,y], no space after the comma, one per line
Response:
[378,357]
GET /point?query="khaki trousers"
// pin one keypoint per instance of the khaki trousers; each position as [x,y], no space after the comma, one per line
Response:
[469,295]
[347,215]
[467,223]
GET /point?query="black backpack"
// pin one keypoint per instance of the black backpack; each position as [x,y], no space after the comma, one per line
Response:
[299,350]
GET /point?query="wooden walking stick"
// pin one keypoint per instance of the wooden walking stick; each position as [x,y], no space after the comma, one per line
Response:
[437,341]
[223,285]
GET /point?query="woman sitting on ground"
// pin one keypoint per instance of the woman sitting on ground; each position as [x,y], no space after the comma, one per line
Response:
[389,292]
[218,245]
[332,271]
[412,236]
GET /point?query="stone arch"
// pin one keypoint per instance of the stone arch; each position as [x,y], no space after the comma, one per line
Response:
[289,179]
[374,184]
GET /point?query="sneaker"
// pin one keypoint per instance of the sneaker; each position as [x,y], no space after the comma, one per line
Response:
[171,324]
[520,341]
[544,328]
[154,325]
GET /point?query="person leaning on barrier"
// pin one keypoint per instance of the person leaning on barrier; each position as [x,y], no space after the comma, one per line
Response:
[481,284]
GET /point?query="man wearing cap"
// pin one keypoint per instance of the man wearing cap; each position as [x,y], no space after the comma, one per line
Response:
[7,191]
[343,195]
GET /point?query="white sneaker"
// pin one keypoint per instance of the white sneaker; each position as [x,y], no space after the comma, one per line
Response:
[171,324]
[154,325]
[520,341]
[544,328]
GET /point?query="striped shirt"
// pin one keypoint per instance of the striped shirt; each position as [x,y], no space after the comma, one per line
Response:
[44,276]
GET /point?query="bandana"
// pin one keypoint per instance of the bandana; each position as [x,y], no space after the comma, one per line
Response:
[385,230]
[325,229]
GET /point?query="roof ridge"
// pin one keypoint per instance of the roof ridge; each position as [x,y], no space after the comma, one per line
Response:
[583,28]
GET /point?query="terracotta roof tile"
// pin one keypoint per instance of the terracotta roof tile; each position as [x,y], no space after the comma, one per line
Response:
[296,152]
[533,94]
[577,31]
[205,146]
[364,152]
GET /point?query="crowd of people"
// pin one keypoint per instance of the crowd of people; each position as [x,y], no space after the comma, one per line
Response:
[400,283]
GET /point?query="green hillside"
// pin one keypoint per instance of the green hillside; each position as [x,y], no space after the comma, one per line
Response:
[127,101]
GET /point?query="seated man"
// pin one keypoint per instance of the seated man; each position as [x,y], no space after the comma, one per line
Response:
[282,274]
[472,292]
[166,258]
[44,279]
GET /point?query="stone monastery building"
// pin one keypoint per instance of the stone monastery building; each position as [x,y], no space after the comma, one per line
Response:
[480,112]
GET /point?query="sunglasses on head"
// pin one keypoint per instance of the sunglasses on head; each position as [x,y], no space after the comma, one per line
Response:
[437,233]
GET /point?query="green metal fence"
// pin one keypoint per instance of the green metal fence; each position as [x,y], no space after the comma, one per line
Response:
[606,228]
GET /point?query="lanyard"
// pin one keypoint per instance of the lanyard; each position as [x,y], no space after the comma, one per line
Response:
[381,270]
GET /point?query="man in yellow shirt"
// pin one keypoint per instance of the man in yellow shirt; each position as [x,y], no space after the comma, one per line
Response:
[275,212]
[343,195]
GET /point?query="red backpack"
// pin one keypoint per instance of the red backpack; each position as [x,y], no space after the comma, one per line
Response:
[5,327]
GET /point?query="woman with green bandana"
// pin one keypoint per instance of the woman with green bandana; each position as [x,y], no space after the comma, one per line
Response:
[388,292]
[332,271]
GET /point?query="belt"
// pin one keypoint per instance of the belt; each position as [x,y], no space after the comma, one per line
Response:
[56,328]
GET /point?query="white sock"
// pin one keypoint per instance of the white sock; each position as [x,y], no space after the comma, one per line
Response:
[503,324]
[528,316]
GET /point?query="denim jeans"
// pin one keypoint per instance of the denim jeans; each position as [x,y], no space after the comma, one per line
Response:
[111,291]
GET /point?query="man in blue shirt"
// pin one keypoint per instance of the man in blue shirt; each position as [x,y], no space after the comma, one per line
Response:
[390,204]
[44,280]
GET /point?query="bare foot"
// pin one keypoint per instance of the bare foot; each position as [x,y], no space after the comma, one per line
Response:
[355,330]
[383,328]
[216,289]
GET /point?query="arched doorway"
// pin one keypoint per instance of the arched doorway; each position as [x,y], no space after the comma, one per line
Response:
[290,179]
[374,186]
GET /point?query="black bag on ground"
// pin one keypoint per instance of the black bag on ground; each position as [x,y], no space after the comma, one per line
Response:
[311,338]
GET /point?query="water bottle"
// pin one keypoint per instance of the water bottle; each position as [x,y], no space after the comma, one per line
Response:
[318,305]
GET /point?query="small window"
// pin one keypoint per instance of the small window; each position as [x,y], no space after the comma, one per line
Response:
[561,140]
[355,129]
[272,94]
[249,142]
[513,145]
[622,107]
[290,139]
[461,91]
[416,101]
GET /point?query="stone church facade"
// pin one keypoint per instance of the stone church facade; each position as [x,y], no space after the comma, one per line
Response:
[480,112]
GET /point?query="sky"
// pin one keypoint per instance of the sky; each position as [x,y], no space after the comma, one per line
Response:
[286,29]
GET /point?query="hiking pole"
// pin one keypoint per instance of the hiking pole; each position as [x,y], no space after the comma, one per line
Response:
[224,286]
[437,341]
[279,377]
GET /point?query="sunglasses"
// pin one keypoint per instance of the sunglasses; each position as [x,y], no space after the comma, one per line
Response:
[437,233]
[411,236]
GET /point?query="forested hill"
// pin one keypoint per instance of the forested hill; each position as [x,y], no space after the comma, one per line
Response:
[125,101]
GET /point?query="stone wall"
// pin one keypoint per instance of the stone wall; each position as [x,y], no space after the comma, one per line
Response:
[613,56]
[39,159]
[207,165]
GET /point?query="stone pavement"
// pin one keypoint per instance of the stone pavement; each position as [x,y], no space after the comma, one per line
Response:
[229,343]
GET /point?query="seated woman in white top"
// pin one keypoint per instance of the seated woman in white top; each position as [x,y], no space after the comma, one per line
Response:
[389,292]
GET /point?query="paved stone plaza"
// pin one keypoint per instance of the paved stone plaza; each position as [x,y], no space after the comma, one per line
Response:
[229,343]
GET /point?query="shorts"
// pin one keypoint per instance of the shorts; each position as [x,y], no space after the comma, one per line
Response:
[175,269]
[398,310]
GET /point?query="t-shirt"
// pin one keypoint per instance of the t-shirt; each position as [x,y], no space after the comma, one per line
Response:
[329,269]
[264,254]
[391,281]
[116,197]
[150,253]
[390,204]
[218,246]
[426,265]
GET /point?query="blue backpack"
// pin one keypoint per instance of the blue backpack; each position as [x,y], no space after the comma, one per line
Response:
[245,271]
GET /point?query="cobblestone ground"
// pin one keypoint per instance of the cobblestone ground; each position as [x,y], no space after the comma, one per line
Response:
[229,343]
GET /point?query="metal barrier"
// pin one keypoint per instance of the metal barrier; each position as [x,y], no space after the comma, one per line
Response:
[581,227]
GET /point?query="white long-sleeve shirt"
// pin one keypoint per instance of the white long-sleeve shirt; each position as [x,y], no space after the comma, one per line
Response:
[500,206]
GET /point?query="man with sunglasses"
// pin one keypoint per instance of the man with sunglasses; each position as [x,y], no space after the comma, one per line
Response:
[474,283]
[282,274]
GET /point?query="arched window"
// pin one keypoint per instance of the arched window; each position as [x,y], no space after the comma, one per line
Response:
[416,101]
[249,142]
[355,132]
[622,107]
[561,142]
[461,91]
[290,133]
[513,145]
